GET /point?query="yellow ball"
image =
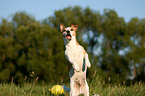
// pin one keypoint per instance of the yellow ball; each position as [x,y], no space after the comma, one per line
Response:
[57,90]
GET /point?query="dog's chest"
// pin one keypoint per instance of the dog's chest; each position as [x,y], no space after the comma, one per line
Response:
[75,53]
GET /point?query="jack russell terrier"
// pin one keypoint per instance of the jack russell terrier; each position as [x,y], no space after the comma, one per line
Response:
[78,62]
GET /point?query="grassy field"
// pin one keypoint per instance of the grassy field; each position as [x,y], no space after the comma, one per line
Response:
[137,89]
[32,89]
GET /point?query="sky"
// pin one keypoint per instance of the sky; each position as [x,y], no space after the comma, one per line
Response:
[42,9]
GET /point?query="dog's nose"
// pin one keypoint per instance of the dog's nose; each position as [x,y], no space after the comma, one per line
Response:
[67,31]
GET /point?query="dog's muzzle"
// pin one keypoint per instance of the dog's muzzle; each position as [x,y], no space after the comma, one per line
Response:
[68,36]
[68,32]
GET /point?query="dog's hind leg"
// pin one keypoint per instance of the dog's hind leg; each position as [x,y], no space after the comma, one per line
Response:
[75,88]
[85,89]
[74,91]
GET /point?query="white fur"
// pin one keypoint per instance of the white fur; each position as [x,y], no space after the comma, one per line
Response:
[77,56]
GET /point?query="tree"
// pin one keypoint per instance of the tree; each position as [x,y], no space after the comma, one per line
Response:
[113,34]
[135,29]
[29,48]
[7,67]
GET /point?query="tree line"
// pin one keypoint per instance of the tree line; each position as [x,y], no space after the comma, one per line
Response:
[31,49]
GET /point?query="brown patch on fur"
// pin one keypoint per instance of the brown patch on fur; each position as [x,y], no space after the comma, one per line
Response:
[74,26]
[77,43]
[62,27]
[84,51]
[81,47]
[74,34]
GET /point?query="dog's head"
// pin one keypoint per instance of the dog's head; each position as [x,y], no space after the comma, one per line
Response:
[69,33]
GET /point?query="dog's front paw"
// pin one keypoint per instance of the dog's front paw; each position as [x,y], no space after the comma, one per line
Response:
[89,65]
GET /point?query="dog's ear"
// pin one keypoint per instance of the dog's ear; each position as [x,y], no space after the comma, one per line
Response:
[62,27]
[74,26]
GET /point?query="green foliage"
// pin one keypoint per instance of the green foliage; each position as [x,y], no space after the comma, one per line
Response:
[30,46]
[116,48]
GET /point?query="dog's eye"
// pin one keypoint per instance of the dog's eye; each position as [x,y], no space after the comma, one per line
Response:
[71,29]
[63,30]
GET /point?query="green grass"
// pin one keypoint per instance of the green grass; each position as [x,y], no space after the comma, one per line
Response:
[120,90]
[102,89]
[24,90]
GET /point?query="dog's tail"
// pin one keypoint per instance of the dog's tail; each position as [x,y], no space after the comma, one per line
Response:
[66,89]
